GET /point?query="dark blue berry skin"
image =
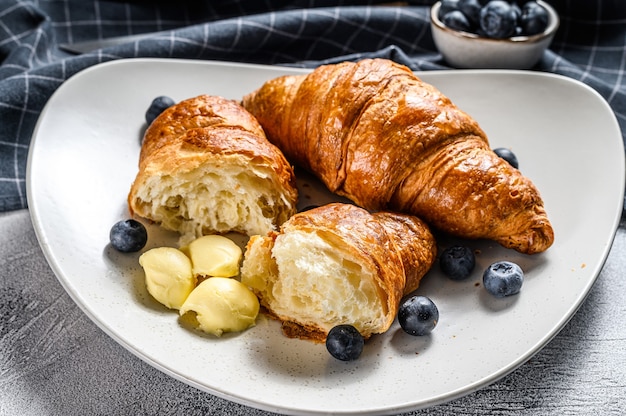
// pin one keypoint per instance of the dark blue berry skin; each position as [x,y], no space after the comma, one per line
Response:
[471,10]
[507,155]
[446,7]
[345,343]
[518,12]
[498,19]
[456,20]
[128,236]
[534,19]
[457,262]
[158,105]
[418,315]
[503,278]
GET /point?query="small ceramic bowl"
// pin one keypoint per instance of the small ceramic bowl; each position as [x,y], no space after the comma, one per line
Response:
[468,50]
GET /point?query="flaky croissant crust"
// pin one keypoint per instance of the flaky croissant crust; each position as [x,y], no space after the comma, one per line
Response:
[206,166]
[374,132]
[386,251]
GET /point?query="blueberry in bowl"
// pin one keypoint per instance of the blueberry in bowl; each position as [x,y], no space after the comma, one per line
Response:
[507,34]
[498,19]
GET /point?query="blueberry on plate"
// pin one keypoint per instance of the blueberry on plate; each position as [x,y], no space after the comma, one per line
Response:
[534,18]
[128,236]
[457,262]
[503,278]
[498,19]
[507,155]
[418,315]
[157,106]
[345,342]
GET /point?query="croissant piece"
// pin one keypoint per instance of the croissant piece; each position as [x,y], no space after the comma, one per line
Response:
[373,132]
[206,167]
[338,264]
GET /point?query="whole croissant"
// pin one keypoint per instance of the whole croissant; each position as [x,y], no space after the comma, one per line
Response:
[373,132]
[206,167]
[338,264]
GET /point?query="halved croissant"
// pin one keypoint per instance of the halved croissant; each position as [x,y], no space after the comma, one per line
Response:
[206,167]
[338,264]
[374,132]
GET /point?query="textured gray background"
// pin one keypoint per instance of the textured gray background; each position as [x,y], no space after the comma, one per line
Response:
[55,361]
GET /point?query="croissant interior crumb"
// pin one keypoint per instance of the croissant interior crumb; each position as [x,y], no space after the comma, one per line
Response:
[214,198]
[312,283]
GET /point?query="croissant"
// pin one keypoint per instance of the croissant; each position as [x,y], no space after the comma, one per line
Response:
[338,264]
[206,167]
[373,132]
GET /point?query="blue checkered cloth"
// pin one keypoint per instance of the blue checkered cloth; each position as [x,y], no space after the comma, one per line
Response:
[590,47]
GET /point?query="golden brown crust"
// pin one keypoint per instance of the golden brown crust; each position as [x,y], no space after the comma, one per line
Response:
[307,332]
[193,147]
[204,111]
[374,132]
[414,243]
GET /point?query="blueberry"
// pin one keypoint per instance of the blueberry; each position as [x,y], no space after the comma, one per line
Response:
[507,155]
[157,106]
[471,10]
[498,19]
[128,236]
[503,278]
[518,12]
[344,342]
[534,18]
[418,315]
[456,20]
[457,262]
[446,7]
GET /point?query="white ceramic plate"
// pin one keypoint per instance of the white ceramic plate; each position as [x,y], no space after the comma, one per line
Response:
[84,156]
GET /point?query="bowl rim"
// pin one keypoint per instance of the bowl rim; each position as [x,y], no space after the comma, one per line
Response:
[553,25]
